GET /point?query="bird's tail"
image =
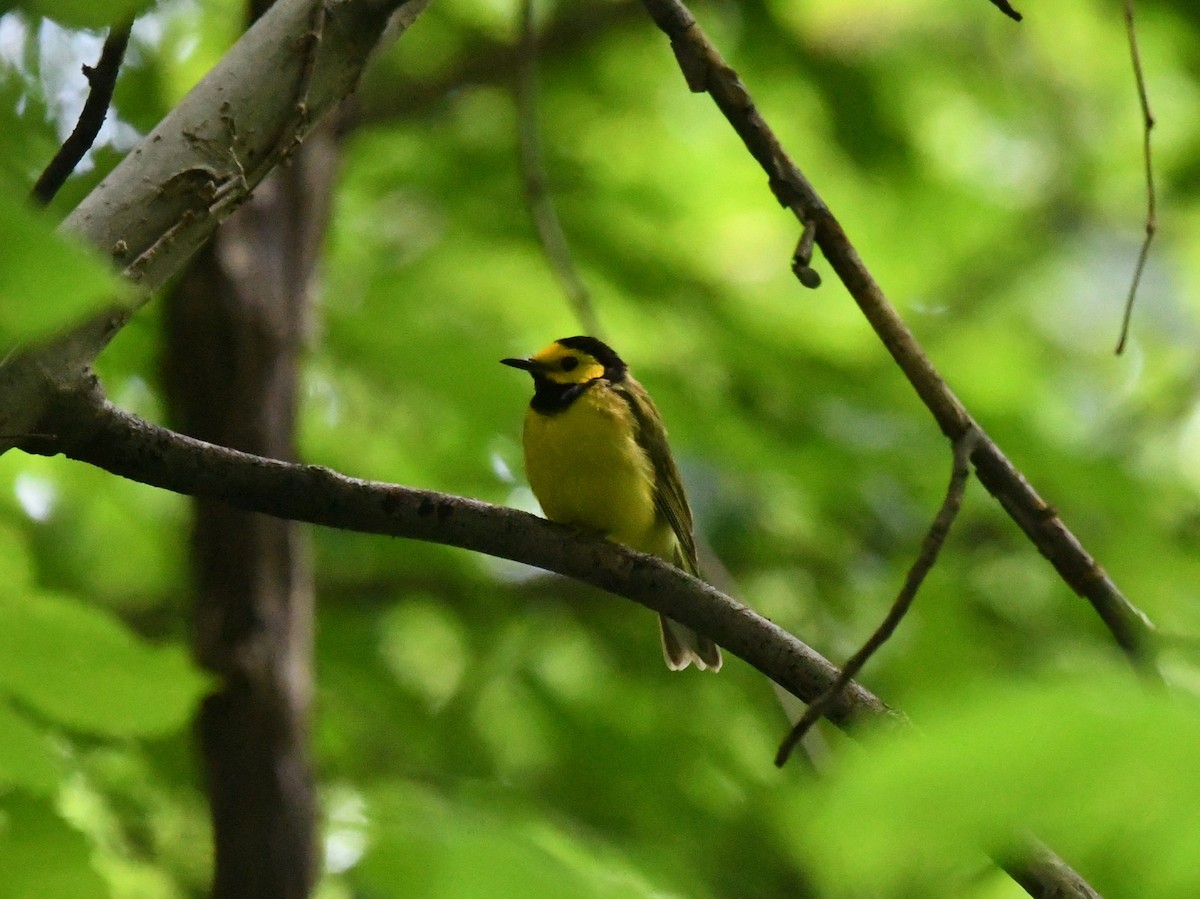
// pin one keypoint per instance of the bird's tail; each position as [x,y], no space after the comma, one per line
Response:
[682,646]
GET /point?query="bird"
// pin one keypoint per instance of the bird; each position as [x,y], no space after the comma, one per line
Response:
[597,458]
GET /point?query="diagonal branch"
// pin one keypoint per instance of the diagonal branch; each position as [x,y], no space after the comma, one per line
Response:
[706,71]
[201,161]
[102,78]
[91,430]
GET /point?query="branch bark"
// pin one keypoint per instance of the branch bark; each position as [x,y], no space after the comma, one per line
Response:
[202,160]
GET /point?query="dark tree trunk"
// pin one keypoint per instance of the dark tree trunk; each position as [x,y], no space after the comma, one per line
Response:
[235,328]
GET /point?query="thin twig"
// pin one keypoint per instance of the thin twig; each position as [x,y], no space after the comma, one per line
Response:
[706,70]
[1151,200]
[930,547]
[533,172]
[1006,8]
[802,257]
[102,80]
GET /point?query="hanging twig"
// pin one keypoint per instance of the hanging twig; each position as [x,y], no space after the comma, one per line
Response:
[1006,8]
[102,79]
[930,547]
[1151,202]
[533,173]
[802,257]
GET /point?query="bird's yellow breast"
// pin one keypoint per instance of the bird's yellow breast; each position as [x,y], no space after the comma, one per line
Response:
[587,470]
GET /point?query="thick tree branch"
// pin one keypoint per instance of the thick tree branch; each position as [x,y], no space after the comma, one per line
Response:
[706,71]
[164,200]
[102,78]
[201,161]
[91,430]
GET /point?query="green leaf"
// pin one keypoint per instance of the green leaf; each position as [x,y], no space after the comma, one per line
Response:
[1102,770]
[29,830]
[47,280]
[81,667]
[422,844]
[83,13]
[26,759]
[16,564]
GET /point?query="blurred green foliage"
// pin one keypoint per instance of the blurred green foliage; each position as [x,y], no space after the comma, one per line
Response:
[1091,762]
[484,730]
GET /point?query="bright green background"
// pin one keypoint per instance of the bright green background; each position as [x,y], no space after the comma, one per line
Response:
[483,730]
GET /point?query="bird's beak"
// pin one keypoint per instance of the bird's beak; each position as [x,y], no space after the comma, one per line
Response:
[529,365]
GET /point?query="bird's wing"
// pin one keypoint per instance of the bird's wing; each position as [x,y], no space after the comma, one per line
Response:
[669,498]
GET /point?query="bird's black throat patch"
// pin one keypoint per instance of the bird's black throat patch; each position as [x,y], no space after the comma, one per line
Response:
[550,397]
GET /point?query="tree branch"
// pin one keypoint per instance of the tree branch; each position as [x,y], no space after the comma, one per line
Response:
[930,547]
[1005,7]
[102,79]
[1151,225]
[203,159]
[706,71]
[89,429]
[166,197]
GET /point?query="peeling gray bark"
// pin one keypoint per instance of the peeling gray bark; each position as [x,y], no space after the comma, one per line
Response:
[164,200]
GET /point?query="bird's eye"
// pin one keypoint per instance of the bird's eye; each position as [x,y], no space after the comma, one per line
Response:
[570,363]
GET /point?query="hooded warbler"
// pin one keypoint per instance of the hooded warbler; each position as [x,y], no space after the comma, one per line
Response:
[596,456]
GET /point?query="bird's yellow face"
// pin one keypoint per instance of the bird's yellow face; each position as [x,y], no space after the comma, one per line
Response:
[565,365]
[567,369]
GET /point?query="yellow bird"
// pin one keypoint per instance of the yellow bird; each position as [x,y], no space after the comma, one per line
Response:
[596,456]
